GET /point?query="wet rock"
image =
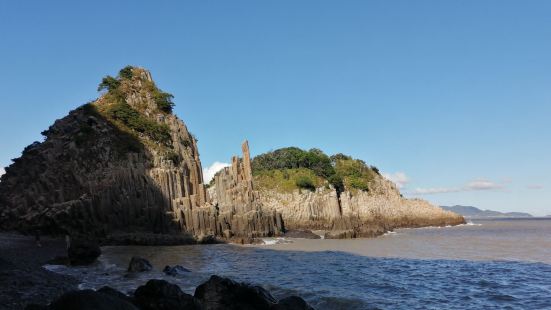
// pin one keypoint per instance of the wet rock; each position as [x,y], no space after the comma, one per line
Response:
[59,260]
[340,234]
[113,292]
[175,271]
[301,233]
[222,293]
[161,295]
[292,303]
[138,264]
[83,252]
[90,300]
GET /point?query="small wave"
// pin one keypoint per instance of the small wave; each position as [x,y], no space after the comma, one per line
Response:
[390,233]
[272,241]
[468,224]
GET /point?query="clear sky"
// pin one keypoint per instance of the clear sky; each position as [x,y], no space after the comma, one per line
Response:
[452,99]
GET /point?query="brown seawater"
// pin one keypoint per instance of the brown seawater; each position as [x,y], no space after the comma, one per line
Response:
[490,264]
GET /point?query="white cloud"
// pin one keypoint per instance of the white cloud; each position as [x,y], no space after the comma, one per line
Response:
[475,185]
[2,171]
[534,186]
[209,172]
[435,190]
[399,178]
[482,185]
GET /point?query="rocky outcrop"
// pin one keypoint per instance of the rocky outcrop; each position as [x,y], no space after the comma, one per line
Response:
[94,175]
[139,264]
[83,252]
[239,204]
[348,214]
[217,293]
[161,295]
[355,213]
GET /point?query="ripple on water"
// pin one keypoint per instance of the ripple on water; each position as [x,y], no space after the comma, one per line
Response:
[337,280]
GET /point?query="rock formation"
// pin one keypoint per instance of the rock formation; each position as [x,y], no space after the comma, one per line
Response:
[120,164]
[355,213]
[233,192]
[343,214]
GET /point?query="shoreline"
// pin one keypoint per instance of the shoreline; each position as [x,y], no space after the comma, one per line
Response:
[23,279]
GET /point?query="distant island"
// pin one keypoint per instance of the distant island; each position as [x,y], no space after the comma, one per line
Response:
[469,211]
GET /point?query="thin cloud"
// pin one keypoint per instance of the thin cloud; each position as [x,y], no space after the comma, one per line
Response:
[535,186]
[475,185]
[209,172]
[482,185]
[399,178]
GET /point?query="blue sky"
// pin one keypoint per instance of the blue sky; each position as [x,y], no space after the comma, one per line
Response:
[452,99]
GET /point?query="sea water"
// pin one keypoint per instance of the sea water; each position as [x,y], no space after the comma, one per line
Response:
[487,264]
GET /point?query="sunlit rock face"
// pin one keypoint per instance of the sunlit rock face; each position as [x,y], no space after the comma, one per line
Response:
[348,214]
[120,164]
[239,203]
[355,213]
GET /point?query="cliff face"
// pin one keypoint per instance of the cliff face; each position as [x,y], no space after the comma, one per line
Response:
[347,214]
[118,164]
[233,192]
[355,213]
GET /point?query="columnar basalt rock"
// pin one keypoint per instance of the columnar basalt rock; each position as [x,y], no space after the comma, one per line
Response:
[355,213]
[238,202]
[94,176]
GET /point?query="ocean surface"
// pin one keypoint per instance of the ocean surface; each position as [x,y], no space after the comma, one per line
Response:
[486,264]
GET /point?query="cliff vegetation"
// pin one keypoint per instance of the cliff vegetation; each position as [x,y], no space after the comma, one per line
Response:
[292,168]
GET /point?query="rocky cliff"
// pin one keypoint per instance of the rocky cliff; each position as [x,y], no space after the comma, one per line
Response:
[340,195]
[120,164]
[355,213]
[239,203]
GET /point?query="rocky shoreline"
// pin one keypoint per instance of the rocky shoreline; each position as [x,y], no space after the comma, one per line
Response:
[27,285]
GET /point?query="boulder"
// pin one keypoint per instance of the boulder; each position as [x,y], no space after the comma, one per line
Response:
[113,292]
[292,303]
[176,270]
[90,300]
[83,252]
[222,293]
[138,264]
[161,295]
[340,234]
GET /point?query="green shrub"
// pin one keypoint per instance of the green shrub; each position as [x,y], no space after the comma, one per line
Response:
[109,83]
[292,158]
[126,72]
[136,121]
[163,101]
[305,183]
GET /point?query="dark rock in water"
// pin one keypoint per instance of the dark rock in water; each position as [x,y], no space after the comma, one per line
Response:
[176,270]
[138,264]
[299,233]
[292,303]
[161,295]
[59,260]
[340,234]
[90,300]
[113,292]
[222,293]
[83,252]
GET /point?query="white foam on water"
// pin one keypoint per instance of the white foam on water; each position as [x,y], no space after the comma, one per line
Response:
[272,241]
